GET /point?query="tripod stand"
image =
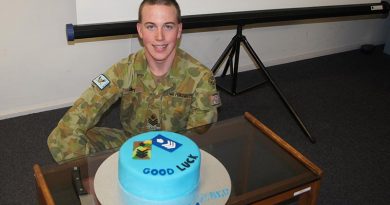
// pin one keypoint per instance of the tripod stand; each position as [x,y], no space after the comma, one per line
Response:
[233,50]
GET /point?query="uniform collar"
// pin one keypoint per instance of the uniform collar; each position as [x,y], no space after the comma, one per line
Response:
[145,76]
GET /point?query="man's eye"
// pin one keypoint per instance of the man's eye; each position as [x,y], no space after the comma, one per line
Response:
[150,27]
[168,27]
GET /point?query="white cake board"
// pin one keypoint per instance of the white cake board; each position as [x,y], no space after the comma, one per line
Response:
[214,185]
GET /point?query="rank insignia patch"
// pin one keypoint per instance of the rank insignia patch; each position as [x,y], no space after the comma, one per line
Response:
[152,123]
[142,150]
[101,81]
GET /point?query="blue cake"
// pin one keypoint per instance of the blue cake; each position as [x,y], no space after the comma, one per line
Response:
[159,167]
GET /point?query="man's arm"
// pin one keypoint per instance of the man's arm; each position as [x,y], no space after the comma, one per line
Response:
[205,102]
[68,139]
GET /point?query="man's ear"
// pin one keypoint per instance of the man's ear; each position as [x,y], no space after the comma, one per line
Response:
[180,25]
[139,30]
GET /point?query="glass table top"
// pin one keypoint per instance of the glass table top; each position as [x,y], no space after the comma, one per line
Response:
[258,166]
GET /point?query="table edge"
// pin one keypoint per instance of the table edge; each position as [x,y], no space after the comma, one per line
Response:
[282,143]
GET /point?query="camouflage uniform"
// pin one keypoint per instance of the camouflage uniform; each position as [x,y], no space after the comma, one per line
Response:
[186,98]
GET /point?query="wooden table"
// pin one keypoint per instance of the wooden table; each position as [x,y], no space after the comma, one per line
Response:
[264,169]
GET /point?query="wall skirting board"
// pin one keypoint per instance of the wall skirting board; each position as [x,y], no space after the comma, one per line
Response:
[61,103]
[26,110]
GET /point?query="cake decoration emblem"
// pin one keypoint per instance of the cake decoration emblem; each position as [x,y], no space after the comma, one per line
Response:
[165,143]
[142,149]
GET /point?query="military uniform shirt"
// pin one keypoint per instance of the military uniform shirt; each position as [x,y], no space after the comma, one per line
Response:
[185,98]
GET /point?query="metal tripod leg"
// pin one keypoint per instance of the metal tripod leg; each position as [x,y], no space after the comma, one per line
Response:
[233,50]
[223,56]
[236,61]
[261,65]
[232,53]
[229,62]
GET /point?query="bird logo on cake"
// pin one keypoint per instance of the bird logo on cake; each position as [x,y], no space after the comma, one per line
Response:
[142,149]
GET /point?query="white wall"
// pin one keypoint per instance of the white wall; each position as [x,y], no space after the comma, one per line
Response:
[97,11]
[286,43]
[40,71]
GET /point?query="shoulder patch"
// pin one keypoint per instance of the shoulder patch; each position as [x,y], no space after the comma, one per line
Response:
[215,100]
[101,81]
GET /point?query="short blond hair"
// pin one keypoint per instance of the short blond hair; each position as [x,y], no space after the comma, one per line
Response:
[160,2]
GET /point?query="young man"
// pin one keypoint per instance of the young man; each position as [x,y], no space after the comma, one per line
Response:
[161,88]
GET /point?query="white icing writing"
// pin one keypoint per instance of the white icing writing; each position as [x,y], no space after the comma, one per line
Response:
[204,197]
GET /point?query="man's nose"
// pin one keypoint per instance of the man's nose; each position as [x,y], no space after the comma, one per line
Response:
[160,34]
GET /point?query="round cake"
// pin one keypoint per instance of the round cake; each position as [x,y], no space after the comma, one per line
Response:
[159,166]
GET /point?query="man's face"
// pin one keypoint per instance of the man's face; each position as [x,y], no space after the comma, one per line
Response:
[159,30]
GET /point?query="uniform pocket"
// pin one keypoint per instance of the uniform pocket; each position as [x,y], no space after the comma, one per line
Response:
[133,110]
[175,111]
